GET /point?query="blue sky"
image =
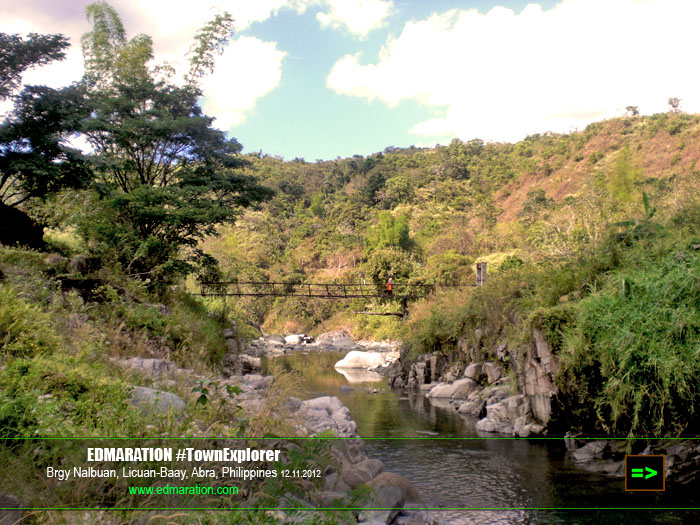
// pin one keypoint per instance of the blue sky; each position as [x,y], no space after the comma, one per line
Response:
[320,79]
[305,118]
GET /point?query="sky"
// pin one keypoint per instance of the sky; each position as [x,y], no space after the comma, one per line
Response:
[320,79]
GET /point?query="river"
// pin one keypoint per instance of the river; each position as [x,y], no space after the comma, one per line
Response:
[453,466]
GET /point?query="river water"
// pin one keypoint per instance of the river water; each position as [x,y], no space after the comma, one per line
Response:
[520,481]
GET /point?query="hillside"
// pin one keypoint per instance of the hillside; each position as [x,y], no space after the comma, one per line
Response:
[593,241]
[428,214]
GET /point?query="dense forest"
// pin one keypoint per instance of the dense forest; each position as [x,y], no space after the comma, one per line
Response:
[582,232]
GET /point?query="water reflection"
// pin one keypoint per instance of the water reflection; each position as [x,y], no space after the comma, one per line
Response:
[500,474]
[360,376]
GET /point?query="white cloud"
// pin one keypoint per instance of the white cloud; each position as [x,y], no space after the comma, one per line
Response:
[246,12]
[359,17]
[248,70]
[175,17]
[55,74]
[502,75]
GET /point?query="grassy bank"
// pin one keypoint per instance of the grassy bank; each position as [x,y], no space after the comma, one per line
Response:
[60,379]
[623,320]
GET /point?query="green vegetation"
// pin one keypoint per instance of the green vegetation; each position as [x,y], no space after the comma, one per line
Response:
[622,318]
[128,220]
[559,236]
[532,202]
[163,200]
[166,177]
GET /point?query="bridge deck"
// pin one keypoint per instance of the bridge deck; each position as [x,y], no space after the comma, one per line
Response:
[315,290]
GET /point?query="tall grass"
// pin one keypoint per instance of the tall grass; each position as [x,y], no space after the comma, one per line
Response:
[624,320]
[635,348]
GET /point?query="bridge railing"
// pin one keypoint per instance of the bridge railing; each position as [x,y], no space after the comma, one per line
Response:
[314,290]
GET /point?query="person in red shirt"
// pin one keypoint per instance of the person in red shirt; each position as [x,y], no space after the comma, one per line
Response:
[389,286]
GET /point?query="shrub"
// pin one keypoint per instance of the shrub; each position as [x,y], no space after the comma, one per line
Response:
[510,262]
[390,232]
[388,262]
[24,329]
[595,157]
[633,352]
[448,268]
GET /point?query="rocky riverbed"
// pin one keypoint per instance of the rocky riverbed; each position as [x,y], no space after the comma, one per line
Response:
[242,367]
[484,392]
[372,356]
[511,392]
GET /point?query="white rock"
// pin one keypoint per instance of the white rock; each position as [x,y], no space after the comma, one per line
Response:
[326,413]
[152,402]
[363,360]
[473,371]
[493,372]
[458,390]
[343,342]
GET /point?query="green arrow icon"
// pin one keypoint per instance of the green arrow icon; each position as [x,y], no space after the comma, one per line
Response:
[639,473]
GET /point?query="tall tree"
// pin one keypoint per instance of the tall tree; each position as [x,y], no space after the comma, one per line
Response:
[35,158]
[18,55]
[109,58]
[167,177]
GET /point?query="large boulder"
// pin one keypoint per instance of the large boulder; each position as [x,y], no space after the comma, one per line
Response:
[601,456]
[250,382]
[540,367]
[418,375]
[510,416]
[249,364]
[343,342]
[394,480]
[458,390]
[274,339]
[473,371]
[362,360]
[333,483]
[497,426]
[682,462]
[356,474]
[326,413]
[385,497]
[294,339]
[330,498]
[593,450]
[274,352]
[516,406]
[151,367]
[493,372]
[237,365]
[473,408]
[156,402]
[329,337]
[232,345]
